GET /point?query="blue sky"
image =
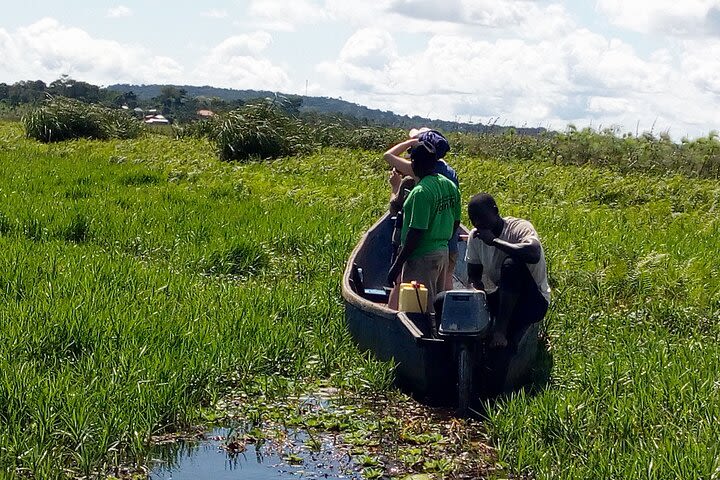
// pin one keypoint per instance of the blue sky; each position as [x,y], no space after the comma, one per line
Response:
[632,65]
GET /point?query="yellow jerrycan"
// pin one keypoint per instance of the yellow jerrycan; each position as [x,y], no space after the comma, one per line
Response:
[413,297]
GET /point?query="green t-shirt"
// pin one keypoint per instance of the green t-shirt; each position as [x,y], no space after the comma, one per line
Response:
[434,206]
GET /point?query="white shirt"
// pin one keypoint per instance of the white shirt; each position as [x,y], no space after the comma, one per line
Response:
[515,230]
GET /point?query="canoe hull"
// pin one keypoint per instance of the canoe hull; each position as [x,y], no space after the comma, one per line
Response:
[423,366]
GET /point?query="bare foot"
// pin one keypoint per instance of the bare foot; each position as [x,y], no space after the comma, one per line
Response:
[498,340]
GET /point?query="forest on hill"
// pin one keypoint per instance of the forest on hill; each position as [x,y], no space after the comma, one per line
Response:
[179,103]
[321,105]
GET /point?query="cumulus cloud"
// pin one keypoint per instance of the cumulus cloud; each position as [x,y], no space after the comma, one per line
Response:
[364,61]
[246,44]
[689,17]
[237,62]
[47,49]
[486,13]
[369,47]
[284,15]
[119,11]
[701,61]
[579,78]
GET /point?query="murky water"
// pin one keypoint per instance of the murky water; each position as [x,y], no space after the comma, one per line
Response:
[291,458]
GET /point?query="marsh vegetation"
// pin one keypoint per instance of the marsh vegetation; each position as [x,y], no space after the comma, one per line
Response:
[144,279]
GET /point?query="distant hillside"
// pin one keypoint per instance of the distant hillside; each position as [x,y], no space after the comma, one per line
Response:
[322,105]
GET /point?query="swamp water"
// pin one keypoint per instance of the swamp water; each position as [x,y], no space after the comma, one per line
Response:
[324,437]
[273,449]
[216,456]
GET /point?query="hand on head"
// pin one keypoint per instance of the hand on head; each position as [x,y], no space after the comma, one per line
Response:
[486,235]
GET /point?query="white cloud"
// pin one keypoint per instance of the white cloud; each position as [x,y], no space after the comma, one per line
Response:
[46,49]
[369,47]
[688,17]
[486,13]
[119,11]
[701,61]
[284,15]
[237,62]
[610,105]
[581,77]
[215,13]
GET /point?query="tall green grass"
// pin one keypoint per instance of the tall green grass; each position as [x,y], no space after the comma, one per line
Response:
[633,327]
[265,130]
[607,148]
[61,118]
[139,282]
[141,278]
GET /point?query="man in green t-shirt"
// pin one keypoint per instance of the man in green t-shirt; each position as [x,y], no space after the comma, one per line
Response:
[431,213]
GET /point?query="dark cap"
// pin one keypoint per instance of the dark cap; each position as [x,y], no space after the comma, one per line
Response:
[424,156]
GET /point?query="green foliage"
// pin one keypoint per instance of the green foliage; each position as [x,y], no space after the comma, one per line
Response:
[633,325]
[133,294]
[198,129]
[242,258]
[65,119]
[260,130]
[340,133]
[607,148]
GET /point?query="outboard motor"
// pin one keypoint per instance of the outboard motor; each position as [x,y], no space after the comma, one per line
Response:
[464,313]
[464,320]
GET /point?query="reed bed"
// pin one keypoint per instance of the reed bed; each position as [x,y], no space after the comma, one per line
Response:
[61,118]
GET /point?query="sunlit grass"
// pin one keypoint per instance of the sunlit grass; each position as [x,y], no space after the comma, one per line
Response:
[142,278]
[136,289]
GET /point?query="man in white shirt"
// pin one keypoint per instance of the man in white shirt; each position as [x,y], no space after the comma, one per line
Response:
[506,259]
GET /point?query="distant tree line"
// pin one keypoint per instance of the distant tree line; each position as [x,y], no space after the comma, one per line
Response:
[181,103]
[173,102]
[325,106]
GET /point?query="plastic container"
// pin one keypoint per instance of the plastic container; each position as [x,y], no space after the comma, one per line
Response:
[413,298]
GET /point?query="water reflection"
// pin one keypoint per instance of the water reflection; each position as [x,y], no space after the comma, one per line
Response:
[207,459]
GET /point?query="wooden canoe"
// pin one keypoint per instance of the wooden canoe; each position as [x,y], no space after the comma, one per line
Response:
[425,365]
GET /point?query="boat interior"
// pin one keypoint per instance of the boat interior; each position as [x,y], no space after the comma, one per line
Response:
[371,264]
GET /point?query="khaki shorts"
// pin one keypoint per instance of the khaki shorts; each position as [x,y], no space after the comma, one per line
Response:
[428,269]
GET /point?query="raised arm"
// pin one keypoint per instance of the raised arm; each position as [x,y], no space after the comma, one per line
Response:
[401,164]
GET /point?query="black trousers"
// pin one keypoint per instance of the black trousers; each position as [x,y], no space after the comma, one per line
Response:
[531,306]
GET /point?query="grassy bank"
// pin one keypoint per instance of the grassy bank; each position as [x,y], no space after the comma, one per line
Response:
[140,278]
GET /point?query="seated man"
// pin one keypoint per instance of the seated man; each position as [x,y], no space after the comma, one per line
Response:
[431,213]
[506,259]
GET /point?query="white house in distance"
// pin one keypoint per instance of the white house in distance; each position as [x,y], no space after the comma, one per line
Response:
[154,118]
